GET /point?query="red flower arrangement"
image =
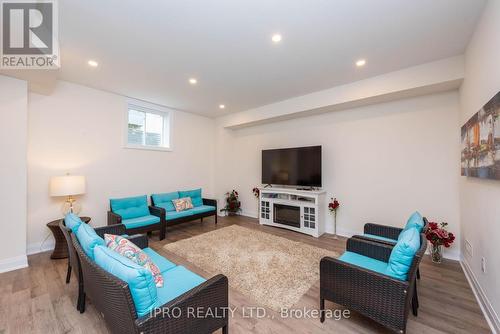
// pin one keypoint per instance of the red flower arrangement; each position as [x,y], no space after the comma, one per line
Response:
[333,205]
[438,235]
[256,192]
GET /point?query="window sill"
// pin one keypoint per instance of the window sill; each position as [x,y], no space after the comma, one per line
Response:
[148,148]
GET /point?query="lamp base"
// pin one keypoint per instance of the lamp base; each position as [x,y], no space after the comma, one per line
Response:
[70,206]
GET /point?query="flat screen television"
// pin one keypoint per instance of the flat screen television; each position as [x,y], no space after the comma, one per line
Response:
[300,166]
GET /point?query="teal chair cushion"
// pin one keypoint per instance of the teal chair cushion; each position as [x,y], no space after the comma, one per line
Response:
[403,253]
[175,215]
[202,209]
[88,239]
[131,207]
[364,262]
[162,263]
[416,220]
[195,196]
[165,200]
[177,281]
[376,237]
[141,221]
[140,280]
[72,222]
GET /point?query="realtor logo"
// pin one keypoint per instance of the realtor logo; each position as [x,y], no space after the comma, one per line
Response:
[29,35]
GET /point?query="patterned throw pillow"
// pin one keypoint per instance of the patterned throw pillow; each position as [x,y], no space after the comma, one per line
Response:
[130,250]
[182,204]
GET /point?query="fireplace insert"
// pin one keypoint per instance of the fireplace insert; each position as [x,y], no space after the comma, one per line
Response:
[287,215]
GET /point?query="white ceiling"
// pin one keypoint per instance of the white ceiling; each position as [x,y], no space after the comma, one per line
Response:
[149,49]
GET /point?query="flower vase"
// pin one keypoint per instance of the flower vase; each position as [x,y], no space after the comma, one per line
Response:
[437,253]
[335,225]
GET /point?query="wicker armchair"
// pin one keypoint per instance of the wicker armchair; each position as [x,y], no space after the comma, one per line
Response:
[379,297]
[74,261]
[111,296]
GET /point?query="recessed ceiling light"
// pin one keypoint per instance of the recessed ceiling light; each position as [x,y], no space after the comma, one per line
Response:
[193,81]
[276,38]
[361,62]
[93,63]
[221,106]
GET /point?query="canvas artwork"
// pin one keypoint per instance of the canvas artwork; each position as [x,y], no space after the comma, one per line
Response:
[481,142]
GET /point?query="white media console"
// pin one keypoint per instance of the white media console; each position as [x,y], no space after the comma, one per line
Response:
[296,210]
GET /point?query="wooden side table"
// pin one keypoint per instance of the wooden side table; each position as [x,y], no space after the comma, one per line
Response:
[61,249]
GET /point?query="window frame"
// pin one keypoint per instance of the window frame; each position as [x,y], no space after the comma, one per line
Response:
[151,108]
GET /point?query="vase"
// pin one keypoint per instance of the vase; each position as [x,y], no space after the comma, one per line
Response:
[335,225]
[437,253]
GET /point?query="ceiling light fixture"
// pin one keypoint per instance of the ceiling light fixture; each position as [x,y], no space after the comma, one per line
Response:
[276,38]
[361,63]
[193,81]
[93,63]
[221,106]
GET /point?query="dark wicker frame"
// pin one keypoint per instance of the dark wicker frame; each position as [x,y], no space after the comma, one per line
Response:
[379,297]
[113,299]
[384,231]
[206,201]
[114,219]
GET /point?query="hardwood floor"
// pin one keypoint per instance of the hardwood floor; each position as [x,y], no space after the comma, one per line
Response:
[37,300]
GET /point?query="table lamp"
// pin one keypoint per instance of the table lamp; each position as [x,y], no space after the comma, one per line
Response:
[68,185]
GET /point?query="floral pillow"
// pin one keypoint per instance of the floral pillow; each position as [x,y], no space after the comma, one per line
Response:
[182,204]
[131,251]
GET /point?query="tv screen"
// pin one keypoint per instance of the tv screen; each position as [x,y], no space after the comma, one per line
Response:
[299,166]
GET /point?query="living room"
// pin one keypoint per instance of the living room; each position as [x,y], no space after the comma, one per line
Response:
[345,122]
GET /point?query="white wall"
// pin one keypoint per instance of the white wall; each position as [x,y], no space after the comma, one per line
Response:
[480,199]
[80,130]
[382,161]
[13,141]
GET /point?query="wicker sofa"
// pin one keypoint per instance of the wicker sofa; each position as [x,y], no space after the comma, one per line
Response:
[385,299]
[114,299]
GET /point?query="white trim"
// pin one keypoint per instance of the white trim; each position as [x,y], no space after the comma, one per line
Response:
[13,263]
[40,247]
[483,301]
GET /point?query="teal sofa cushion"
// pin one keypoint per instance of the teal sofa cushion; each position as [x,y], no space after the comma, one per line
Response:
[72,222]
[140,280]
[177,281]
[88,239]
[376,237]
[364,262]
[416,220]
[165,200]
[162,263]
[141,221]
[195,196]
[403,253]
[131,207]
[202,209]
[180,214]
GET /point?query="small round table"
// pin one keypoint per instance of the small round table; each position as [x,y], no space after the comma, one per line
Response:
[61,247]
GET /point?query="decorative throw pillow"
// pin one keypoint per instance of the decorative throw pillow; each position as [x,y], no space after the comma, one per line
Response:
[182,204]
[130,250]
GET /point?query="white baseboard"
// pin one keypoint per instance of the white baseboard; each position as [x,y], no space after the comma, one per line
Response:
[39,247]
[13,263]
[483,301]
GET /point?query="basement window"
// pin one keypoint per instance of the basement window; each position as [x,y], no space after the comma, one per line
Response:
[148,127]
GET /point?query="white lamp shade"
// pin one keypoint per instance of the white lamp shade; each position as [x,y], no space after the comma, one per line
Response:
[67,185]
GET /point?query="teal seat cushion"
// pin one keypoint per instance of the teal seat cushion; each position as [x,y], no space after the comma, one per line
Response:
[403,253]
[177,281]
[364,262]
[88,239]
[376,237]
[195,196]
[141,221]
[416,220]
[162,263]
[165,200]
[72,222]
[180,214]
[202,209]
[140,280]
[131,207]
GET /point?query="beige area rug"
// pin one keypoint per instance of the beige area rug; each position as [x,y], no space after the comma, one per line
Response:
[273,271]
